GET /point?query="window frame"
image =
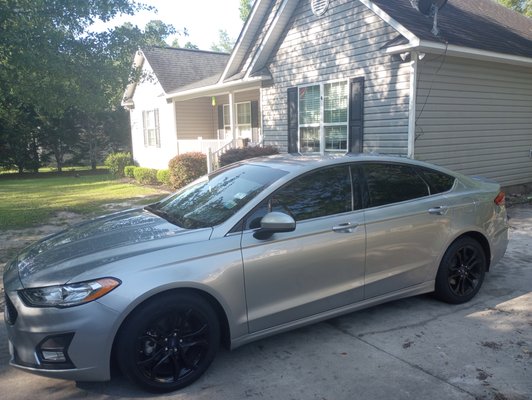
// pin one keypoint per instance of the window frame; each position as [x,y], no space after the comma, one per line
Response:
[322,125]
[238,126]
[149,139]
[417,169]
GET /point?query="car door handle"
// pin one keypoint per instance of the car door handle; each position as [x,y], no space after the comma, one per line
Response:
[441,210]
[346,227]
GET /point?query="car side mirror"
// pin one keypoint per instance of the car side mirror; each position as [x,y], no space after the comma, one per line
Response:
[275,222]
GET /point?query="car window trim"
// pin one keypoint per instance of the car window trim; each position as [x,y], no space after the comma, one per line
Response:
[239,226]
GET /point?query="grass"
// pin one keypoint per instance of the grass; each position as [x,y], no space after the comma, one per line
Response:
[33,201]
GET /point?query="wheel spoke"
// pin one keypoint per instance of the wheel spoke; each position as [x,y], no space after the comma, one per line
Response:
[158,365]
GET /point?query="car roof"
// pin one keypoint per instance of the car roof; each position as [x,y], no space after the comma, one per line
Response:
[297,163]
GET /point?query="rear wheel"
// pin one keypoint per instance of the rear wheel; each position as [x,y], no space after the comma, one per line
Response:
[461,271]
[168,342]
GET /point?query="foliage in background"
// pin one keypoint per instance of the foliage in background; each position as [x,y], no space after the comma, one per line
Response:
[225,43]
[33,201]
[245,9]
[163,176]
[186,167]
[129,171]
[234,155]
[145,176]
[521,6]
[116,162]
[61,84]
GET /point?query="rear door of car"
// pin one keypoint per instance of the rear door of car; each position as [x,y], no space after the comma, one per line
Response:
[317,267]
[407,226]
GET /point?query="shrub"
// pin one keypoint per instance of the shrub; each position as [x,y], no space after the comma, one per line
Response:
[116,162]
[234,155]
[145,176]
[186,167]
[129,171]
[163,176]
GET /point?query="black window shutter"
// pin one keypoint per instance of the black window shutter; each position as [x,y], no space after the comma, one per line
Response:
[356,115]
[220,117]
[254,114]
[292,119]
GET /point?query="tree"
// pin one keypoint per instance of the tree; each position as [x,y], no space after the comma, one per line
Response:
[190,45]
[59,82]
[225,43]
[245,9]
[521,6]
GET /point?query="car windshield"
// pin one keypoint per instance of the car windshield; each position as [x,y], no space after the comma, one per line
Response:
[214,198]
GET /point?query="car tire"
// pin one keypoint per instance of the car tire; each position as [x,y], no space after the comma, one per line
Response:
[168,342]
[461,271]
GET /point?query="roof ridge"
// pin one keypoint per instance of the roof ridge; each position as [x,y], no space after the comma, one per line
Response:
[185,49]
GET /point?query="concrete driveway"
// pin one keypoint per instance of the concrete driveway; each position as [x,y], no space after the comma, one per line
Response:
[414,348]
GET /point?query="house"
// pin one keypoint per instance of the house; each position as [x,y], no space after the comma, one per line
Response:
[336,76]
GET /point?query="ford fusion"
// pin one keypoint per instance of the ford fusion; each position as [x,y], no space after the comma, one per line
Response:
[253,249]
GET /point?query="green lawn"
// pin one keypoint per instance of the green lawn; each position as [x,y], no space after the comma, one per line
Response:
[32,201]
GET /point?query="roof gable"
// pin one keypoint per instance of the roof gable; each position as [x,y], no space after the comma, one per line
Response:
[470,24]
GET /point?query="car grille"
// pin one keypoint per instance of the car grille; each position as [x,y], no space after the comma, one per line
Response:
[11,312]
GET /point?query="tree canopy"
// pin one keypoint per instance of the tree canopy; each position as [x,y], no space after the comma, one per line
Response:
[61,83]
[521,6]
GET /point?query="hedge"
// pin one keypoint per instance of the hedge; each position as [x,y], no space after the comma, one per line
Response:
[186,167]
[234,155]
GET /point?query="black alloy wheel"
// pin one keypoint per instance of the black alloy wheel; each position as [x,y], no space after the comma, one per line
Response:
[169,342]
[461,271]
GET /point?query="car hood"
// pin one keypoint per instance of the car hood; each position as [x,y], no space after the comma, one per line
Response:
[59,258]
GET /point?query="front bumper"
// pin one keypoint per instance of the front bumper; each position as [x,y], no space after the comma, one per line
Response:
[88,328]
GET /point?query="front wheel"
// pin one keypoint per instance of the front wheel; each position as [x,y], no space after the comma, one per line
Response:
[461,271]
[168,342]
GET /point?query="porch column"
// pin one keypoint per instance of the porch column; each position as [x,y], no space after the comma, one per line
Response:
[232,114]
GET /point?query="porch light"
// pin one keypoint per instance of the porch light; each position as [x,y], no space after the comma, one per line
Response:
[213,101]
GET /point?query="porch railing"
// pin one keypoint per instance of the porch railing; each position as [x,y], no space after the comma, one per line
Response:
[213,156]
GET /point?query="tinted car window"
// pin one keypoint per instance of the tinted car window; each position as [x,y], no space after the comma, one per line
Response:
[437,181]
[325,192]
[321,193]
[392,183]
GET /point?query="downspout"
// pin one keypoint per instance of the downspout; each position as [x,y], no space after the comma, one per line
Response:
[412,104]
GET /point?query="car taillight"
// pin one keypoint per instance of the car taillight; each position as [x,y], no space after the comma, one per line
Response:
[500,200]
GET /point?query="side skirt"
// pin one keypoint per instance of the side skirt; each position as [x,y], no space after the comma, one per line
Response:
[426,287]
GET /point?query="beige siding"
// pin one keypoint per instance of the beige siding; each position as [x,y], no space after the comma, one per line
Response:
[476,118]
[344,43]
[196,118]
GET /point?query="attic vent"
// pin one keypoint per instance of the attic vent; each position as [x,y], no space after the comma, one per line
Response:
[319,7]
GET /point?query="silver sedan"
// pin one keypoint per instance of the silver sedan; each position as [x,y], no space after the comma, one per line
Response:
[254,249]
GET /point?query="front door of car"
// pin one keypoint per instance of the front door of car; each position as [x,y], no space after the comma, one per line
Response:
[317,267]
[406,228]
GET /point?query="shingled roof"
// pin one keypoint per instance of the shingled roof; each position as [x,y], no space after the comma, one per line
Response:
[179,68]
[478,24]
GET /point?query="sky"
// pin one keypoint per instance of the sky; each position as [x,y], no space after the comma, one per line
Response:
[201,18]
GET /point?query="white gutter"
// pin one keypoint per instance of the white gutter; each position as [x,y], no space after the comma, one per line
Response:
[243,34]
[267,37]
[412,105]
[461,51]
[217,89]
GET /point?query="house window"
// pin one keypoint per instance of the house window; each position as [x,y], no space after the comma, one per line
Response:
[323,117]
[150,122]
[226,120]
[243,119]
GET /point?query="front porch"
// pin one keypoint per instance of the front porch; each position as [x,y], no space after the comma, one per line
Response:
[212,123]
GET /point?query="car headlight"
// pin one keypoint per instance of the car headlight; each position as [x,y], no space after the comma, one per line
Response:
[68,295]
